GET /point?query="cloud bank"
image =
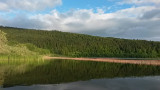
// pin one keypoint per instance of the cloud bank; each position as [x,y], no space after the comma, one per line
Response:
[29,5]
[142,22]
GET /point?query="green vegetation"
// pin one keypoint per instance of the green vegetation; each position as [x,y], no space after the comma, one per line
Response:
[21,57]
[78,45]
[17,66]
[62,71]
[3,41]
[16,51]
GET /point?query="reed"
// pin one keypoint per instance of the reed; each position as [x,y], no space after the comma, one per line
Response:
[12,59]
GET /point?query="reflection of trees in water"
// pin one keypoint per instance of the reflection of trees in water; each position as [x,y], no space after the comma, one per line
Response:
[61,71]
[1,76]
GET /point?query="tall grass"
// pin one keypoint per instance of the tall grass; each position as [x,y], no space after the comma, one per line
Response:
[12,59]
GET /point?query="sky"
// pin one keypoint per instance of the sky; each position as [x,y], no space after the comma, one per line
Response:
[130,19]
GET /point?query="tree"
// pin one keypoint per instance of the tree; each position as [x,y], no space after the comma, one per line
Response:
[3,42]
[3,39]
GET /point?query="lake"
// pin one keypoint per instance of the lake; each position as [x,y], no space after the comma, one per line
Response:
[138,83]
[80,75]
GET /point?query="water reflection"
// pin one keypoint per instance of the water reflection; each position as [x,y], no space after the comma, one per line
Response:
[52,74]
[140,83]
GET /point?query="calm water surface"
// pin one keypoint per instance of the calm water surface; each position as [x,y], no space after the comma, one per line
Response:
[77,75]
[138,83]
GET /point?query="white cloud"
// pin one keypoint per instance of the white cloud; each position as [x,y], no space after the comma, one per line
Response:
[3,6]
[134,23]
[29,5]
[141,2]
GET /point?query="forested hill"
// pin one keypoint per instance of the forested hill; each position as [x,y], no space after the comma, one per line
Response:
[78,45]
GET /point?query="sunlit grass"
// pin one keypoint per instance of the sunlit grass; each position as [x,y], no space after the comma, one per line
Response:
[12,59]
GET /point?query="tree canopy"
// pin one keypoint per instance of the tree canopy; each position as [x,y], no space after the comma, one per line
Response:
[80,45]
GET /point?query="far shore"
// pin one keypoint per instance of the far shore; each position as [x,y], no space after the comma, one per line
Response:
[111,60]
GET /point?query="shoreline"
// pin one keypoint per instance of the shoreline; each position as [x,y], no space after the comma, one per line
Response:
[111,60]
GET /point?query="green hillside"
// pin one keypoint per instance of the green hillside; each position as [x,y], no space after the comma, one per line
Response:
[13,51]
[17,49]
[79,45]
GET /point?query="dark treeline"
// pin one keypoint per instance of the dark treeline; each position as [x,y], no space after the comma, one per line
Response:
[79,45]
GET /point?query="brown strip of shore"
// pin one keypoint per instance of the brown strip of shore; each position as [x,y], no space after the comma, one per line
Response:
[112,60]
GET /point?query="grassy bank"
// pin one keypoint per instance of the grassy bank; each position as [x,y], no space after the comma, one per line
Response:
[4,59]
[10,51]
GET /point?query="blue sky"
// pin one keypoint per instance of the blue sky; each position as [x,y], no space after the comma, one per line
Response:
[131,19]
[89,4]
[108,6]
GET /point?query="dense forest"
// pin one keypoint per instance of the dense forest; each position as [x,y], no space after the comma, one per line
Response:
[80,45]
